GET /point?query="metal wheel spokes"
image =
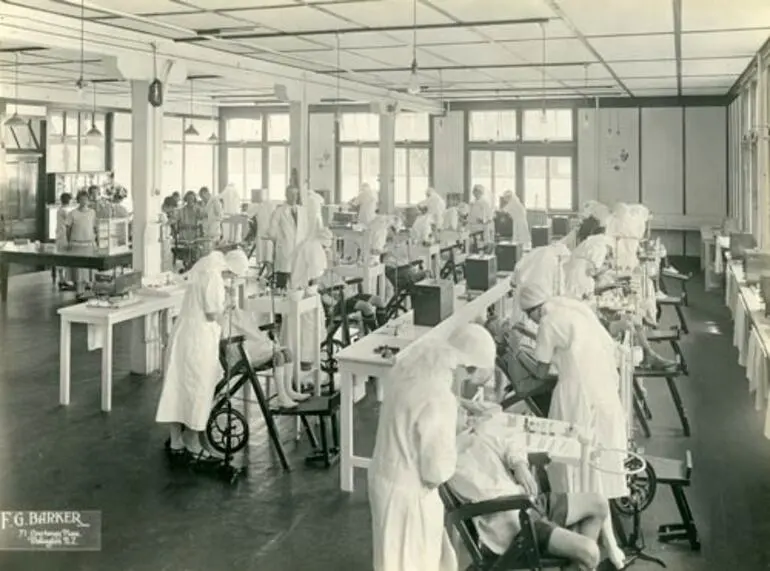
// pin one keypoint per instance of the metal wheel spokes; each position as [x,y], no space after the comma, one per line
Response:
[227,430]
[641,488]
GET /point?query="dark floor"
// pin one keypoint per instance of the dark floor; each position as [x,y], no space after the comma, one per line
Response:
[156,519]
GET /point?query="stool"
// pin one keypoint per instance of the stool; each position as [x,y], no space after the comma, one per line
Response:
[670,273]
[676,474]
[677,302]
[323,408]
[670,377]
[673,337]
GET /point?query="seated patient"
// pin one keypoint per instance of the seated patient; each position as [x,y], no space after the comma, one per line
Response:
[490,464]
[398,267]
[372,307]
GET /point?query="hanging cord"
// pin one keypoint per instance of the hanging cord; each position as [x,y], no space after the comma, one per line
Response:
[414,36]
[337,110]
[545,60]
[82,40]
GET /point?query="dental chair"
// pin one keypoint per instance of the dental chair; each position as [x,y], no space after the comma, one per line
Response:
[524,552]
[402,288]
[343,325]
[453,266]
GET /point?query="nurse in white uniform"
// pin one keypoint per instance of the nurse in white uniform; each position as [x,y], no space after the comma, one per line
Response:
[366,202]
[289,227]
[571,338]
[515,209]
[261,211]
[193,367]
[415,453]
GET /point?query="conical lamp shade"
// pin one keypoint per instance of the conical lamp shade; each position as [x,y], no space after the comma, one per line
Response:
[94,132]
[213,138]
[15,120]
[191,131]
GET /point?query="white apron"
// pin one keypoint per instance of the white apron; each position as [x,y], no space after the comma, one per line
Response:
[193,368]
[415,443]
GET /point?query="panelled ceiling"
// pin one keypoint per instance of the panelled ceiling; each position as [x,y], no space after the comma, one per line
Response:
[465,49]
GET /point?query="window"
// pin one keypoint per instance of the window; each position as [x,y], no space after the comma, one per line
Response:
[121,166]
[413,127]
[172,169]
[411,175]
[92,148]
[243,130]
[68,149]
[548,183]
[553,125]
[121,126]
[279,128]
[492,126]
[358,165]
[495,170]
[360,127]
[252,168]
[278,171]
[199,165]
[173,128]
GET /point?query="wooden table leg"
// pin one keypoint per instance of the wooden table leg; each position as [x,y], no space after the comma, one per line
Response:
[107,370]
[4,280]
[346,428]
[65,352]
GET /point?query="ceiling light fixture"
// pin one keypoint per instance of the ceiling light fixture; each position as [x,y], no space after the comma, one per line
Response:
[81,84]
[213,137]
[15,120]
[414,88]
[94,132]
[191,131]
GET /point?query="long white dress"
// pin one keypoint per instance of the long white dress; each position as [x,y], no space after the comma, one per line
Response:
[263,212]
[193,364]
[588,391]
[288,233]
[515,209]
[414,452]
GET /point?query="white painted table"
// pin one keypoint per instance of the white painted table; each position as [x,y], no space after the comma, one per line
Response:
[430,255]
[292,310]
[360,360]
[106,319]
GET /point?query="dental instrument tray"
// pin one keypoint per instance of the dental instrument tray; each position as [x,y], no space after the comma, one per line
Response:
[113,284]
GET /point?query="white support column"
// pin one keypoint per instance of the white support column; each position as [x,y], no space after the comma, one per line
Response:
[4,222]
[387,162]
[763,148]
[146,176]
[299,119]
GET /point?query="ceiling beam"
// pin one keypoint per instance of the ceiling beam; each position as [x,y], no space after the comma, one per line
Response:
[464,67]
[557,9]
[222,32]
[33,26]
[677,6]
[21,50]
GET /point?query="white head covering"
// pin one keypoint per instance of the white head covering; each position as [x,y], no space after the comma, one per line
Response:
[532,295]
[211,262]
[237,262]
[231,201]
[594,249]
[436,207]
[475,346]
[597,210]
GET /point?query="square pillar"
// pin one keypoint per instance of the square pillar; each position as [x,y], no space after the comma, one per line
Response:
[146,176]
[387,163]
[5,225]
[299,144]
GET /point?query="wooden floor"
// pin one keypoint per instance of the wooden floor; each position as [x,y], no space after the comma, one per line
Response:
[157,519]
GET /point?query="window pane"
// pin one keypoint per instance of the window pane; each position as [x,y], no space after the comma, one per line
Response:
[560,171]
[236,168]
[492,126]
[172,129]
[370,167]
[278,173]
[360,127]
[172,169]
[92,148]
[504,176]
[121,166]
[199,166]
[62,155]
[418,174]
[243,130]
[205,128]
[71,124]
[400,179]
[481,172]
[253,170]
[554,125]
[278,127]
[413,127]
[350,174]
[535,182]
[121,126]
[55,123]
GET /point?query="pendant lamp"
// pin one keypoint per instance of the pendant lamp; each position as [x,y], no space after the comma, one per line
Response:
[16,120]
[191,131]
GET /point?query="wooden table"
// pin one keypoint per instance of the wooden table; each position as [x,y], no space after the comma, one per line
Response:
[49,256]
[360,360]
[107,318]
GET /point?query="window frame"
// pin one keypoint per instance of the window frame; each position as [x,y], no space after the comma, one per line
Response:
[523,149]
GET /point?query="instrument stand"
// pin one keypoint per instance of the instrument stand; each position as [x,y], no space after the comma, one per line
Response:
[633,543]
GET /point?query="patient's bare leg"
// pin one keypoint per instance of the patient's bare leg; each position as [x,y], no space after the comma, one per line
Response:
[590,512]
[575,547]
[610,542]
[287,396]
